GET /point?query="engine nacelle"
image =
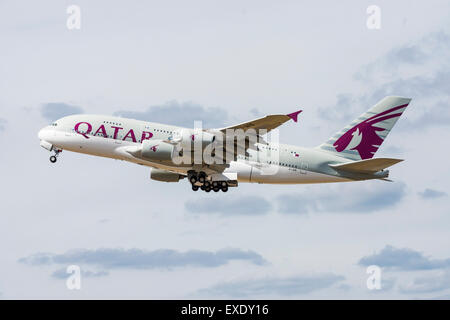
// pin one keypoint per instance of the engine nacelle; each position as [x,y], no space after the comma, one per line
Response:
[157,150]
[164,175]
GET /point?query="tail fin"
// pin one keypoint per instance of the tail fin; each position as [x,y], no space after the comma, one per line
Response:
[362,138]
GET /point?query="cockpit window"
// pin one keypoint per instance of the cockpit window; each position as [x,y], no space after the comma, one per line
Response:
[54,124]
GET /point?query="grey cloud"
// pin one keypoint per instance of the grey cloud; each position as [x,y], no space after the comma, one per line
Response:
[387,284]
[344,287]
[433,47]
[427,284]
[142,259]
[56,110]
[348,198]
[432,194]
[290,286]
[421,86]
[428,86]
[403,259]
[430,96]
[180,114]
[62,274]
[409,54]
[437,114]
[250,205]
[344,109]
[390,62]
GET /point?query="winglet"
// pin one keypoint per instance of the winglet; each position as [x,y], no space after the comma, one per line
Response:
[294,115]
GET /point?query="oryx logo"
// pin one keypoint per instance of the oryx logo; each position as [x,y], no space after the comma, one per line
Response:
[363,137]
[153,148]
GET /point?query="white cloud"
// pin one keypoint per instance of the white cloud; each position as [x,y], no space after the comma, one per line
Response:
[288,286]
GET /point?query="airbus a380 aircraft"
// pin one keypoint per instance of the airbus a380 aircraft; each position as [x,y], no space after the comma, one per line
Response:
[347,156]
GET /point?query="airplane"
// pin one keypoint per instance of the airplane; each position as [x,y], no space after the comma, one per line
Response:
[347,156]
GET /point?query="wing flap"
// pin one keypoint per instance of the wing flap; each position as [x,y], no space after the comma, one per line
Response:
[366,166]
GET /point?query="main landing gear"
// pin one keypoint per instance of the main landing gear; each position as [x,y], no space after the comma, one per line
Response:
[199,181]
[55,157]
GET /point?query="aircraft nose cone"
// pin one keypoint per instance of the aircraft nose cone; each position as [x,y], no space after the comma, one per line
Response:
[41,134]
[44,134]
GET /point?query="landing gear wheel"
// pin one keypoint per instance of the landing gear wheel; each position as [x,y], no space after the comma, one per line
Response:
[224,184]
[52,159]
[193,179]
[195,188]
[215,184]
[224,189]
[202,187]
[202,177]
[207,189]
[216,189]
[207,184]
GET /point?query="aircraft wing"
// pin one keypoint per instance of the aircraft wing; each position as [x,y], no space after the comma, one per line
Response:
[267,123]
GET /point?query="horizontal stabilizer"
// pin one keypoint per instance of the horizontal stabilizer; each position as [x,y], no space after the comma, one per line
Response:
[366,166]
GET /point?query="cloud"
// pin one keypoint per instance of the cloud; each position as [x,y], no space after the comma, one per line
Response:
[429,283]
[432,48]
[142,259]
[403,259]
[343,110]
[345,198]
[62,274]
[428,85]
[432,194]
[2,124]
[387,284]
[180,114]
[296,285]
[56,110]
[250,205]
[419,70]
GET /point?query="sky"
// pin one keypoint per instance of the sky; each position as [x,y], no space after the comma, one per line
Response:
[223,62]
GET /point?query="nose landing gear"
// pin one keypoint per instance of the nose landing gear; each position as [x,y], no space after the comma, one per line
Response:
[55,157]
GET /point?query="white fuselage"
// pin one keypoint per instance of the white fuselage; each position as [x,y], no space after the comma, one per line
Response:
[111,137]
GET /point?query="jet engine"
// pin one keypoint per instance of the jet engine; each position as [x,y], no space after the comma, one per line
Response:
[164,175]
[157,150]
